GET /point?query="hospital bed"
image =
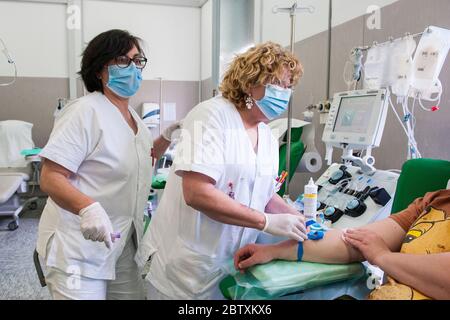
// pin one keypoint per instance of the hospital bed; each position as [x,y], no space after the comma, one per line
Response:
[12,184]
[15,170]
[303,280]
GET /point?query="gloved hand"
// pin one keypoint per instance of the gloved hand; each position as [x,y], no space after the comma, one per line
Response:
[286,225]
[167,133]
[96,225]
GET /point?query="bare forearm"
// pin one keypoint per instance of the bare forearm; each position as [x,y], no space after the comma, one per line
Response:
[330,249]
[278,205]
[222,208]
[64,194]
[160,146]
[427,273]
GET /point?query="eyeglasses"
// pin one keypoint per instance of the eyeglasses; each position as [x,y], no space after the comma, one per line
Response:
[283,84]
[125,61]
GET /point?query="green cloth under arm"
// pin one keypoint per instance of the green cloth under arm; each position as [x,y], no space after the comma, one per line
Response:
[279,278]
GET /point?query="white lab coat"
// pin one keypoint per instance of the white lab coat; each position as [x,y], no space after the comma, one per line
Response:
[112,165]
[187,247]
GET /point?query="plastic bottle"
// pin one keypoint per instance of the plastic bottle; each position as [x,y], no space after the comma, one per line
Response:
[310,200]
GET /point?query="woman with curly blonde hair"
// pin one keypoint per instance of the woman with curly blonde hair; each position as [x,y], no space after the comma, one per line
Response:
[220,193]
[251,71]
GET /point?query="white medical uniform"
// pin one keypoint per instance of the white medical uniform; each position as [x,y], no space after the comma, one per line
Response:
[112,165]
[187,247]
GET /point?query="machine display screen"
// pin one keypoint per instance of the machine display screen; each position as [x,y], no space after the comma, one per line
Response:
[354,114]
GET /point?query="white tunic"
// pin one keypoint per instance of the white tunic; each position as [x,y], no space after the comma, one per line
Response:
[112,165]
[188,247]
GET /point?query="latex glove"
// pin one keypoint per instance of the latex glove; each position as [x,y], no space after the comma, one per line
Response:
[96,225]
[167,133]
[286,225]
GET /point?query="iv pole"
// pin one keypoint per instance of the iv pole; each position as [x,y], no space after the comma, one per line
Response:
[161,107]
[293,14]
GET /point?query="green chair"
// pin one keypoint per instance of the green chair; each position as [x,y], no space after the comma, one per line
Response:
[418,177]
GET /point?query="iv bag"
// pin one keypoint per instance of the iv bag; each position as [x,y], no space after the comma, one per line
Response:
[428,60]
[390,65]
[402,66]
[431,94]
[376,67]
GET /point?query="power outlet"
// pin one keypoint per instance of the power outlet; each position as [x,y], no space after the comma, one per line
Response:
[323,117]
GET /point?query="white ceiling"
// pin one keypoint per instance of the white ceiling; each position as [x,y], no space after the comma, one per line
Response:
[180,3]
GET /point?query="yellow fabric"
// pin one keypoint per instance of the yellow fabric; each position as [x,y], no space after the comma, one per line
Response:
[428,235]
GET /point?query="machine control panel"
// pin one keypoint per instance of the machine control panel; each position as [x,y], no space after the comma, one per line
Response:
[350,198]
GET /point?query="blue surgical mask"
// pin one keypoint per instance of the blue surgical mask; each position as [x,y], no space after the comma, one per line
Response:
[124,82]
[275,101]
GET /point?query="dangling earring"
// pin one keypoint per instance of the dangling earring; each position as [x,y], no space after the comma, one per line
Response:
[248,102]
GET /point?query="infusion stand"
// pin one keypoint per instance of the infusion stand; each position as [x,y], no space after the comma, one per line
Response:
[292,13]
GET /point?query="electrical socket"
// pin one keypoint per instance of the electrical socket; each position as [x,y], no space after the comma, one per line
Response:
[323,117]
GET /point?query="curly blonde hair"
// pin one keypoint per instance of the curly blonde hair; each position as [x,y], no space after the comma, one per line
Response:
[262,64]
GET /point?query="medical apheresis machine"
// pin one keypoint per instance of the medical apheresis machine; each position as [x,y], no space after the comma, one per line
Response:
[353,193]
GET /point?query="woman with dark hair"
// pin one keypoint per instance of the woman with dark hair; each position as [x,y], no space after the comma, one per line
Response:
[97,172]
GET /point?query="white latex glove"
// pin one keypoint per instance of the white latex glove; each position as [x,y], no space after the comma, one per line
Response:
[286,225]
[167,133]
[95,224]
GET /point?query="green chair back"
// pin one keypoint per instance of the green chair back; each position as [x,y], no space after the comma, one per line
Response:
[418,177]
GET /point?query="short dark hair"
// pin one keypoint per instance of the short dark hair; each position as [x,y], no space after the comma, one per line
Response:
[102,49]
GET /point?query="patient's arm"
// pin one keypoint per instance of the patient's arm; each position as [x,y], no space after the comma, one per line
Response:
[331,249]
[427,273]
